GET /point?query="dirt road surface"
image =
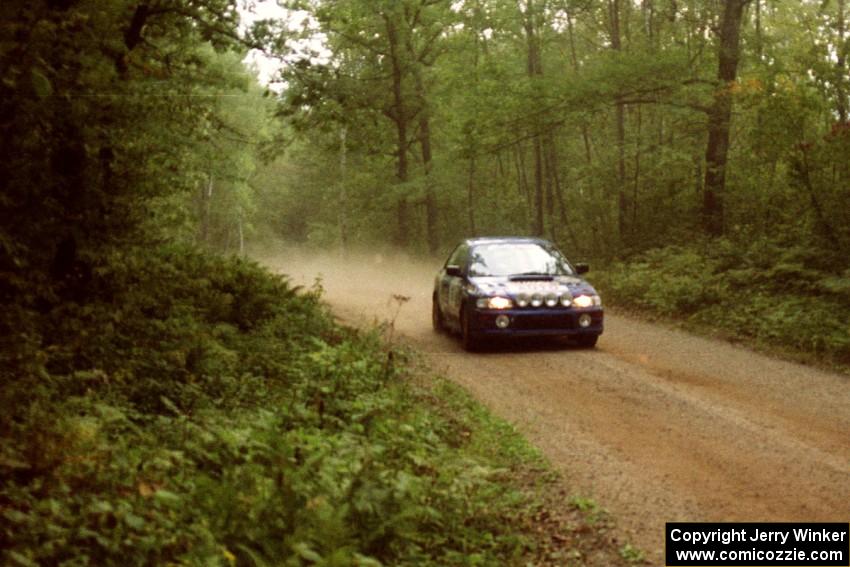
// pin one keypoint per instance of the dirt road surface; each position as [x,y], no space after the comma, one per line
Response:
[654,424]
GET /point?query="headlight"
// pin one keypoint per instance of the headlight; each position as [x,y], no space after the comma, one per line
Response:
[587,301]
[497,302]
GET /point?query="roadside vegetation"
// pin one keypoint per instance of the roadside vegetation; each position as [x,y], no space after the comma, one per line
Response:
[770,293]
[202,411]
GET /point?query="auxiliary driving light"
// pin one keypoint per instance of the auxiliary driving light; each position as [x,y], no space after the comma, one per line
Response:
[584,320]
[551,300]
[566,300]
[502,321]
[536,300]
[496,302]
[500,303]
[522,300]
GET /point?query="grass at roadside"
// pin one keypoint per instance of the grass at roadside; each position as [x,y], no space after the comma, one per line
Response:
[558,528]
[200,411]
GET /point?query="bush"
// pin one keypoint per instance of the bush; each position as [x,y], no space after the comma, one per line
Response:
[197,410]
[781,295]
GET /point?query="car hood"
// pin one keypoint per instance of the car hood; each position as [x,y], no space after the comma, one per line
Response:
[499,285]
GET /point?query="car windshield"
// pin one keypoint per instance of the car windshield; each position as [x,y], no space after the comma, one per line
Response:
[506,259]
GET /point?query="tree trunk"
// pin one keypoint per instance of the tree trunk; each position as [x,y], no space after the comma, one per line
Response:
[430,194]
[343,192]
[550,176]
[636,186]
[470,197]
[538,226]
[585,135]
[206,204]
[840,63]
[553,164]
[534,68]
[719,118]
[399,116]
[824,227]
[427,163]
[622,199]
[402,222]
[522,179]
[241,230]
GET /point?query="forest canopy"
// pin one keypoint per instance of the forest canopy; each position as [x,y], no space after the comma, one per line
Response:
[612,126]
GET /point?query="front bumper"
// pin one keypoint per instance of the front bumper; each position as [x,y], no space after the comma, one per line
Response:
[537,321]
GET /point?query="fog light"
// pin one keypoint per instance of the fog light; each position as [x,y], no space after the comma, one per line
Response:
[584,320]
[496,302]
[551,300]
[502,321]
[536,300]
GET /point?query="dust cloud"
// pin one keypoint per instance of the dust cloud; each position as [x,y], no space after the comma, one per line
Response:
[363,287]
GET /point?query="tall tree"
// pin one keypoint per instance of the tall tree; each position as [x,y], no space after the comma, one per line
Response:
[532,14]
[720,115]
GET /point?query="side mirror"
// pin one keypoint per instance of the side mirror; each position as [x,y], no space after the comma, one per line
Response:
[582,268]
[453,270]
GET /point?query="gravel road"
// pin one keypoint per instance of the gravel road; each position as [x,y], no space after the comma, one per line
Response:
[655,424]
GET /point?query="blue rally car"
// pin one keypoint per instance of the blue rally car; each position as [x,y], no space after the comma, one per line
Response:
[511,286]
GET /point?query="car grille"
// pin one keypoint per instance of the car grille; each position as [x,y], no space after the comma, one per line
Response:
[554,321]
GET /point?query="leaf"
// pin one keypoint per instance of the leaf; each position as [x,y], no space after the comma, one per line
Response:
[366,561]
[231,559]
[134,521]
[15,516]
[170,405]
[306,552]
[167,497]
[255,556]
[146,490]
[41,84]
[102,507]
[21,559]
[11,463]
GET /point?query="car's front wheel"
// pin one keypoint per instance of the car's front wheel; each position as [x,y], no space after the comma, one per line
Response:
[437,316]
[468,337]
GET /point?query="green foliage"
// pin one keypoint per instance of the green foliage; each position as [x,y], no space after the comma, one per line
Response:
[622,132]
[669,280]
[201,411]
[780,294]
[632,554]
[112,114]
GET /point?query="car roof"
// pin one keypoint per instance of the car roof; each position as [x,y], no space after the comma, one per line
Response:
[506,240]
